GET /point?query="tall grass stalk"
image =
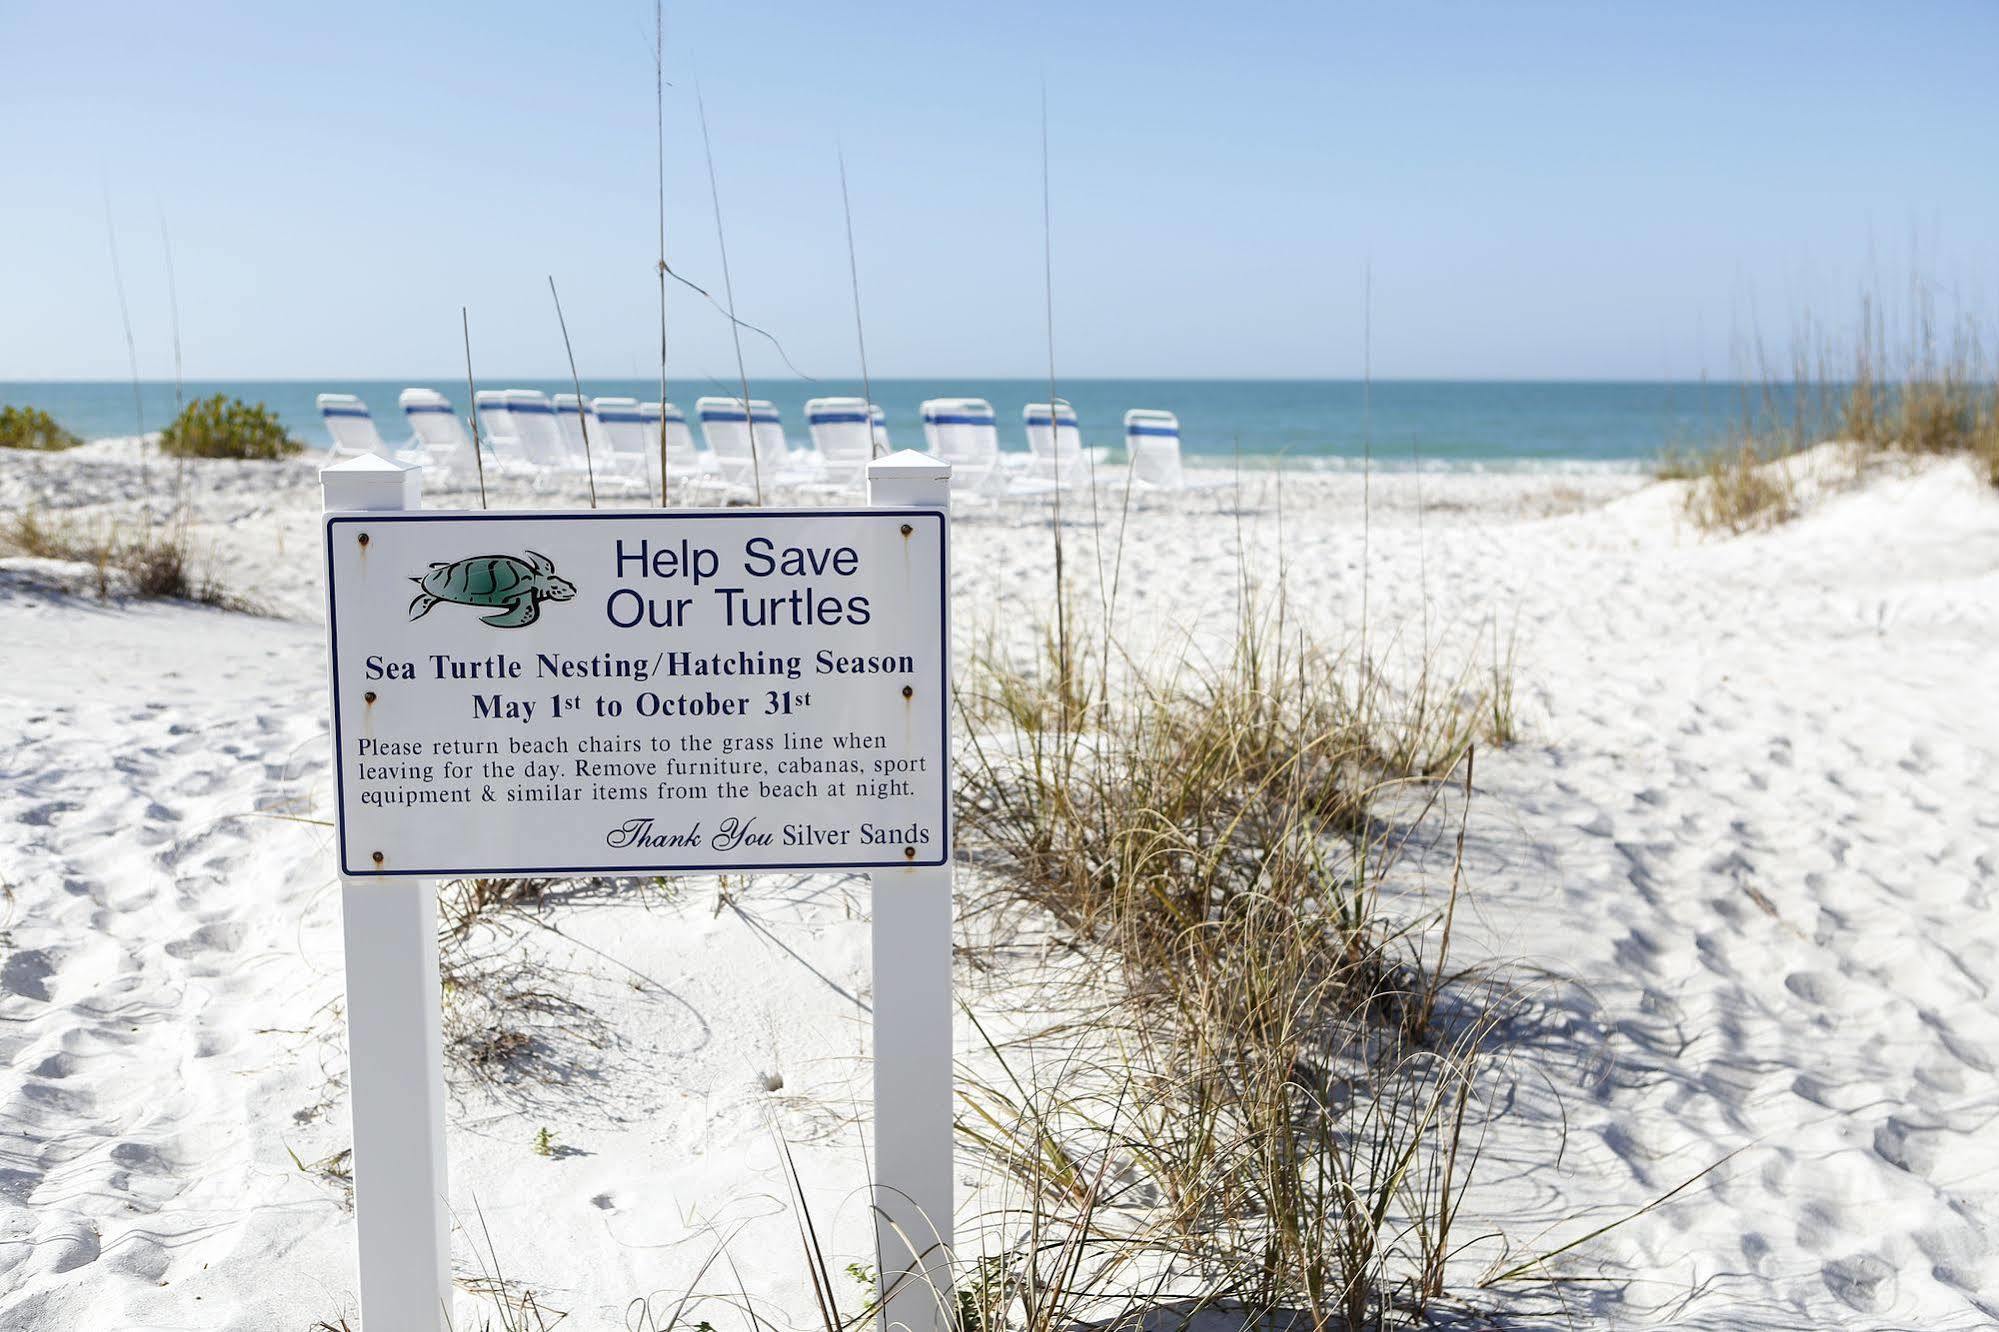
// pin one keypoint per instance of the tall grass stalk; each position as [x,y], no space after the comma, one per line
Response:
[854,281]
[173,315]
[472,400]
[576,386]
[131,346]
[659,165]
[729,294]
[173,308]
[1064,662]
[1366,447]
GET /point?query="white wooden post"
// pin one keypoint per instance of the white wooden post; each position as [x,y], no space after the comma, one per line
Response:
[395,1041]
[912,1022]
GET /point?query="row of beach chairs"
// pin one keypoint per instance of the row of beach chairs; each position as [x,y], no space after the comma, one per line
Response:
[531,436]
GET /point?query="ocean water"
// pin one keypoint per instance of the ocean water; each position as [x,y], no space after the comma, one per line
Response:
[1328,423]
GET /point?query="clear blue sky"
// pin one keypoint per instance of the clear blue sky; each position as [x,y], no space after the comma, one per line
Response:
[1543,190]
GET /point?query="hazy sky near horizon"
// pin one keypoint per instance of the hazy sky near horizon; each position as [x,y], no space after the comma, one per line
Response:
[1540,190]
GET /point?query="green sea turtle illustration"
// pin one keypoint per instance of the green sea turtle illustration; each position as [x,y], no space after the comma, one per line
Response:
[518,586]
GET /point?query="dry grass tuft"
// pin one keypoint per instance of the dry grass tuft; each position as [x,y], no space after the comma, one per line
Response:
[1936,393]
[1680,465]
[1740,491]
[154,560]
[1268,1106]
[505,1020]
[464,903]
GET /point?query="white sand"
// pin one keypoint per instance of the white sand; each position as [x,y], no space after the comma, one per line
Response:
[1747,829]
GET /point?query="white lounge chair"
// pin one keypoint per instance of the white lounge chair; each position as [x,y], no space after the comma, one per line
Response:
[495,422]
[440,435]
[498,436]
[963,432]
[1152,442]
[623,448]
[749,446]
[843,430]
[541,441]
[353,428]
[582,433]
[1058,452]
[684,459]
[768,428]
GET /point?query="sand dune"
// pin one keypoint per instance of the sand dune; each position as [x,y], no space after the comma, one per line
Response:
[1742,858]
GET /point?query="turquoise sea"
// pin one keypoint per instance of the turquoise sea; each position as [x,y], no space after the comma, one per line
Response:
[1332,423]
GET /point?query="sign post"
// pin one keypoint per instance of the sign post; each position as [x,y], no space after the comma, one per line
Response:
[912,1026]
[395,1038]
[638,692]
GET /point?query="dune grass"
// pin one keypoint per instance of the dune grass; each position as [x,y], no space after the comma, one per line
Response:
[142,559]
[1281,1071]
[1740,490]
[1933,392]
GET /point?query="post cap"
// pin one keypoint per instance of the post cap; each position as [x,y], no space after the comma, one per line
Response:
[909,465]
[368,462]
[371,483]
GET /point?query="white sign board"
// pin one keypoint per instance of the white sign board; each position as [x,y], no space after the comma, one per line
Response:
[640,692]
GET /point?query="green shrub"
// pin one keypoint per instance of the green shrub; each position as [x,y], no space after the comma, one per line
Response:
[33,428]
[226,427]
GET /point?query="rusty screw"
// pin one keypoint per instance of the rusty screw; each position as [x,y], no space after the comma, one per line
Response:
[363,538]
[908,692]
[369,696]
[379,857]
[907,529]
[908,853]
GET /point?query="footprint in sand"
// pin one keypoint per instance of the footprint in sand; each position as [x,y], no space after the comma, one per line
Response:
[222,936]
[61,1064]
[1912,1147]
[1831,1093]
[1863,1282]
[1823,1224]
[1597,824]
[60,1101]
[138,1257]
[1960,1252]
[1918,760]
[27,973]
[1756,1253]
[69,1244]
[1965,1051]
[1941,1075]
[18,1186]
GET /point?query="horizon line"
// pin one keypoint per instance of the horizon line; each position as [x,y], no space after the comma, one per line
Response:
[1029,378]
